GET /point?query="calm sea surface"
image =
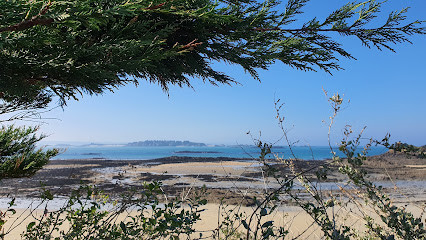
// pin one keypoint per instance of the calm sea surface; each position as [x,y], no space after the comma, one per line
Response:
[143,153]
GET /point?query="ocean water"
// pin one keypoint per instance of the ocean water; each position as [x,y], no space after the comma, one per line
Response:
[144,153]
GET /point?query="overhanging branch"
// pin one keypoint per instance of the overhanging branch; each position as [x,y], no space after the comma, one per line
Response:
[27,24]
[34,21]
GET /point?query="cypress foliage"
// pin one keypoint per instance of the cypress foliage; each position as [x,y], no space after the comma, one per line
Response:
[65,48]
[19,156]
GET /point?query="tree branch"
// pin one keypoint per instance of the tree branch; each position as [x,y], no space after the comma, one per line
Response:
[155,6]
[34,21]
[27,24]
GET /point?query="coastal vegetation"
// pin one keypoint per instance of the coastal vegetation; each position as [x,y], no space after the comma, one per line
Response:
[409,149]
[19,156]
[63,49]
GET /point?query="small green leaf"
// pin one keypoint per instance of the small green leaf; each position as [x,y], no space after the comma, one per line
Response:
[123,226]
[245,224]
[30,226]
[12,210]
[267,224]
[46,194]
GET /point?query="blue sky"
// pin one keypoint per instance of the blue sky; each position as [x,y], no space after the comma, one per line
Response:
[386,92]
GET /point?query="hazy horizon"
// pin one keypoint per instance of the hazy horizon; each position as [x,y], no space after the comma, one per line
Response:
[82,144]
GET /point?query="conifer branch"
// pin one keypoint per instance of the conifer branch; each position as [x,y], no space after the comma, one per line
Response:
[34,21]
[95,46]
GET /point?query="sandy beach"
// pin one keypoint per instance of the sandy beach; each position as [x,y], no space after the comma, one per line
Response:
[231,182]
[222,176]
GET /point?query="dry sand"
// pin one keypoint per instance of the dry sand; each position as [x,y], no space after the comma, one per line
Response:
[227,180]
[297,222]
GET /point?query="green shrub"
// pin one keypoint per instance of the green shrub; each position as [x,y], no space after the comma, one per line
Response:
[88,214]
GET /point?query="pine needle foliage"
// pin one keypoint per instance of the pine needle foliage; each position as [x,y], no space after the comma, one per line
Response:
[66,48]
[19,156]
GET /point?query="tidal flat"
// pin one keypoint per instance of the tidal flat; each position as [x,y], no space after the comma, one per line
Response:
[228,183]
[224,178]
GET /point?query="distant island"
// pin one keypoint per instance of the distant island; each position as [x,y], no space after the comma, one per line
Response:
[164,143]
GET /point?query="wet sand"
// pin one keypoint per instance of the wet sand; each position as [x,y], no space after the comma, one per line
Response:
[229,181]
[225,178]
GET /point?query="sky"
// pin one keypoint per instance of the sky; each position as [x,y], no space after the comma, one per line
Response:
[386,91]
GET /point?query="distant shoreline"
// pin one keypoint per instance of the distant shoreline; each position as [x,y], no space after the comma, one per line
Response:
[149,153]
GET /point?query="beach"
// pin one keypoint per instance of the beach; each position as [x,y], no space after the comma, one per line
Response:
[227,181]
[219,174]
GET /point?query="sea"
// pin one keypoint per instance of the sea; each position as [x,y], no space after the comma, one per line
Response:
[246,151]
